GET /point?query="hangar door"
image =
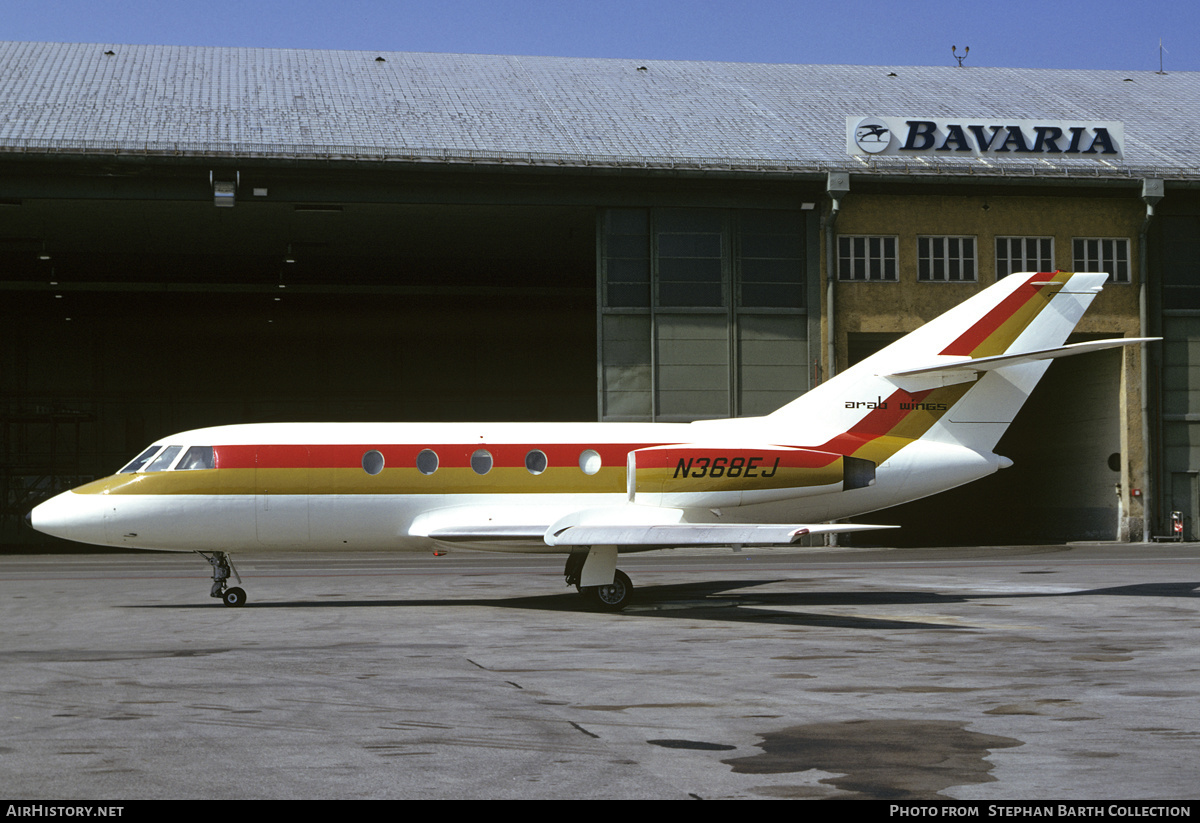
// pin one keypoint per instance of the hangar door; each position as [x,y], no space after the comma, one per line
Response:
[1065,445]
[702,312]
[1181,433]
[1180,374]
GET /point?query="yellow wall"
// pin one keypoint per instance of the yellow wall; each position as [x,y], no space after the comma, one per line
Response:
[877,307]
[894,307]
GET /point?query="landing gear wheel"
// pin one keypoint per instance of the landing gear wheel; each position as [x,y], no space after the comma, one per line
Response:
[614,597]
[222,567]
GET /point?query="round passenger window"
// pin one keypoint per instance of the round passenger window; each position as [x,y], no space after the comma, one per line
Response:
[535,461]
[427,461]
[481,461]
[372,462]
[589,461]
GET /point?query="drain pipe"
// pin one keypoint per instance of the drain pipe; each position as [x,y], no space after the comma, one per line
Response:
[1153,190]
[837,185]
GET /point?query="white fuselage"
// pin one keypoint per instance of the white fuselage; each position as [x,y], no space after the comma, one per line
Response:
[314,486]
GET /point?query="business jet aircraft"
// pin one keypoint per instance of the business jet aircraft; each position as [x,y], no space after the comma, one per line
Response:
[919,417]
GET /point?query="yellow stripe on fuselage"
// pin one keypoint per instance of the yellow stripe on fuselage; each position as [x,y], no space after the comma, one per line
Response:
[323,481]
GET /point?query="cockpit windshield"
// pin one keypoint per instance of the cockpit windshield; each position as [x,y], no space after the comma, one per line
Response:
[197,457]
[158,459]
[141,460]
[164,460]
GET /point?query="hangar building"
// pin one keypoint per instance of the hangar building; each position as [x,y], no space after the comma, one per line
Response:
[200,236]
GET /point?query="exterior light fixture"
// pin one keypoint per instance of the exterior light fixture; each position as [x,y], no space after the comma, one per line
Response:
[224,191]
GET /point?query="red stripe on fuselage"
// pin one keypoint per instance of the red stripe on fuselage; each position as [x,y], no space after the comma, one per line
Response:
[797,457]
[450,455]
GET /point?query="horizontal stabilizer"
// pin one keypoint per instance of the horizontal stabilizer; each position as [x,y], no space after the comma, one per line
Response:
[696,534]
[963,369]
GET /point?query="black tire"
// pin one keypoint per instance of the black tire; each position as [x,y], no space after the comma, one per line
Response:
[614,597]
[235,597]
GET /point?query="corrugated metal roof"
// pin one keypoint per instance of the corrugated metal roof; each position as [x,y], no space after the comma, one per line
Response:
[237,102]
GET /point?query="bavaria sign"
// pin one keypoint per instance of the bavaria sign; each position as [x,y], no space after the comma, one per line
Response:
[981,137]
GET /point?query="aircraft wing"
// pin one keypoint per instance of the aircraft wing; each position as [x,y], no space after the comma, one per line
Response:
[696,534]
[647,535]
[487,532]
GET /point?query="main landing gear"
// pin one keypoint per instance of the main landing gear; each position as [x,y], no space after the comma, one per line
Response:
[222,567]
[611,598]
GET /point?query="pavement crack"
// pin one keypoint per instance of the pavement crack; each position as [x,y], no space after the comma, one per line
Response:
[582,729]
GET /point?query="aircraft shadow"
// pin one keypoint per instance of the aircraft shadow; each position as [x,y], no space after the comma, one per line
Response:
[735,601]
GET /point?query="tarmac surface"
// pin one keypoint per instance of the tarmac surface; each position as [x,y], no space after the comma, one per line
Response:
[1046,672]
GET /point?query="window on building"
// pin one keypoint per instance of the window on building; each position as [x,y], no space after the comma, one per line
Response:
[627,258]
[1180,263]
[867,258]
[690,255]
[946,259]
[702,311]
[1107,254]
[1019,254]
[770,251]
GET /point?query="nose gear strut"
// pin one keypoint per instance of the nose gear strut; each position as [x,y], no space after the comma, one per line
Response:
[222,567]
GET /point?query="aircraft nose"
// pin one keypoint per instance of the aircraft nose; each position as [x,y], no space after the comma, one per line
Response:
[29,519]
[71,516]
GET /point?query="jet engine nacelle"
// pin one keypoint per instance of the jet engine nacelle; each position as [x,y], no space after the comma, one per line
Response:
[689,476]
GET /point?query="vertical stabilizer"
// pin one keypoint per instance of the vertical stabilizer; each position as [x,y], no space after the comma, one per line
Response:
[870,412]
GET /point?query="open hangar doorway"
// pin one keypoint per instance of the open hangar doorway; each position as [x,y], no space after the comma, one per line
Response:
[1063,486]
[123,321]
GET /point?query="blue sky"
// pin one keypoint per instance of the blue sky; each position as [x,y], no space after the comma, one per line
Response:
[1101,34]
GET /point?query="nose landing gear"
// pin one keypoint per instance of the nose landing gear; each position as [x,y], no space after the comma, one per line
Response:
[222,567]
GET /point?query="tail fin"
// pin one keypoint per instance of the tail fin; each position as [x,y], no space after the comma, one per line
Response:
[961,378]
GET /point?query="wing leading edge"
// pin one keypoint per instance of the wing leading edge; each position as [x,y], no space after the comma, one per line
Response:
[662,535]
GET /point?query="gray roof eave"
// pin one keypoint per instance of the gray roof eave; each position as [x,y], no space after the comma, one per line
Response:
[542,112]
